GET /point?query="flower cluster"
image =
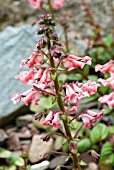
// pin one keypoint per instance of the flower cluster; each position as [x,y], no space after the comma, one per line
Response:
[56,4]
[107,68]
[44,64]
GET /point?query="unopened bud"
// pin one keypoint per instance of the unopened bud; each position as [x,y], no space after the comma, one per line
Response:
[54,36]
[41,22]
[45,28]
[94,154]
[40,31]
[38,116]
[53,23]
[45,138]
[73,147]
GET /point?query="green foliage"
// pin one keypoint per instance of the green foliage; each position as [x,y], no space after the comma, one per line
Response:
[106,152]
[84,145]
[108,40]
[75,77]
[108,111]
[53,76]
[93,77]
[99,132]
[91,98]
[5,153]
[111,129]
[44,103]
[14,161]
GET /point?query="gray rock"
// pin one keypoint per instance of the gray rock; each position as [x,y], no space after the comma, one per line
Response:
[17,43]
[3,136]
[59,160]
[24,120]
[38,148]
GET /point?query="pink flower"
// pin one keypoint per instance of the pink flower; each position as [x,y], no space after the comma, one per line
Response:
[108,99]
[46,76]
[35,3]
[107,82]
[70,93]
[108,67]
[57,4]
[71,62]
[88,117]
[52,119]
[33,97]
[34,59]
[25,76]
[48,119]
[71,109]
[16,98]
[29,96]
[90,87]
[56,121]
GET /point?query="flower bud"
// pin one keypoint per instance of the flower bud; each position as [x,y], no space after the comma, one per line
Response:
[40,31]
[54,36]
[41,22]
[38,116]
[73,147]
[45,138]
[53,23]
[95,154]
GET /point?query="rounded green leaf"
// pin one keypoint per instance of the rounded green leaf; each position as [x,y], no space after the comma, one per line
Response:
[111,159]
[99,132]
[5,153]
[106,151]
[111,129]
[16,160]
[84,145]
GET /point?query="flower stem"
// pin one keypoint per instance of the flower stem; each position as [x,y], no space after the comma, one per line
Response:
[61,105]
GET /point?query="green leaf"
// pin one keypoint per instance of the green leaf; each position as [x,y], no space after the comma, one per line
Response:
[111,159]
[90,99]
[107,111]
[86,70]
[99,132]
[53,76]
[106,151]
[58,143]
[84,145]
[5,153]
[36,108]
[12,167]
[46,102]
[62,77]
[76,125]
[111,129]
[108,40]
[75,77]
[103,89]
[93,77]
[16,160]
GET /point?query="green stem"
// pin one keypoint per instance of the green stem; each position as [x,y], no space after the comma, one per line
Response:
[78,130]
[61,106]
